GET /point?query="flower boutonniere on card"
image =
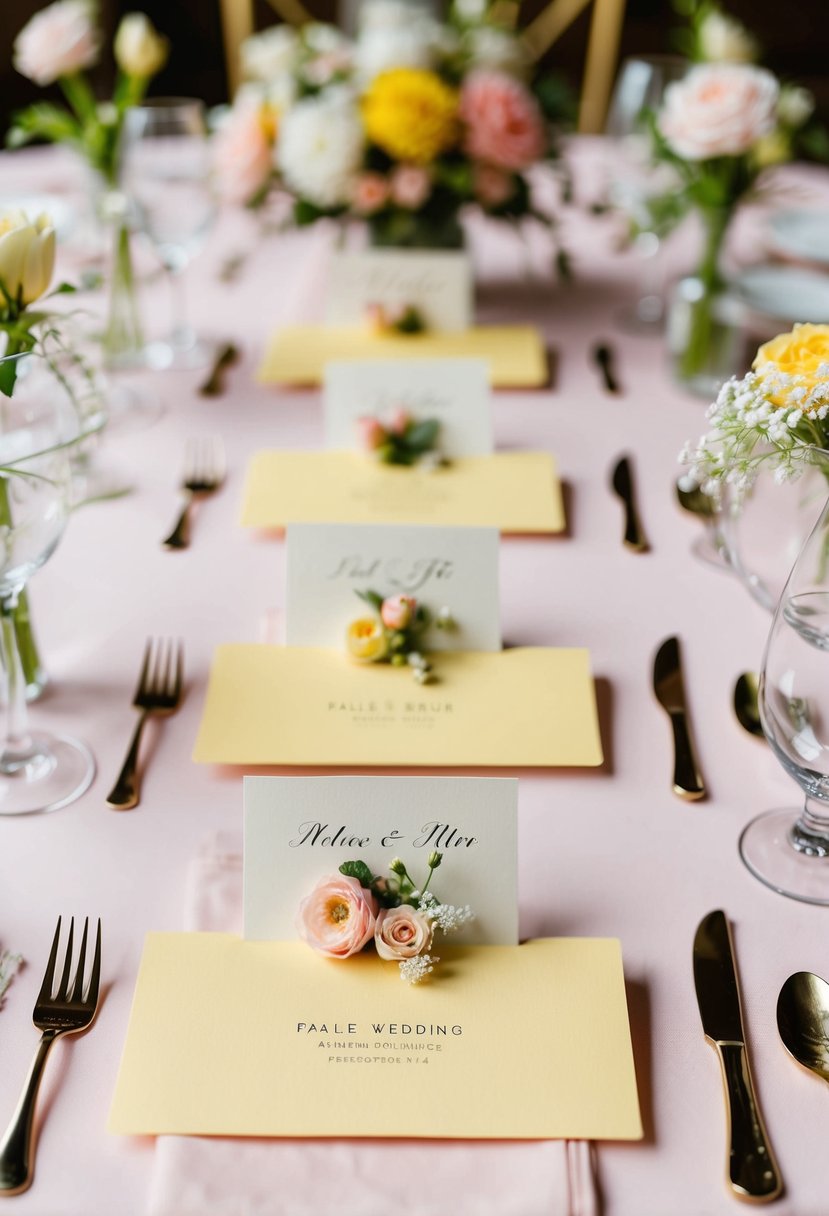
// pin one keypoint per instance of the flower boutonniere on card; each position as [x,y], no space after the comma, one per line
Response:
[349,912]
[402,440]
[395,633]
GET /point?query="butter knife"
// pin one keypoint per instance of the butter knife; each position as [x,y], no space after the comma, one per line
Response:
[753,1173]
[669,688]
[225,357]
[622,483]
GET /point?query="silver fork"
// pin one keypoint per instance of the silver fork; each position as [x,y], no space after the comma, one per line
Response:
[159,693]
[204,473]
[69,1011]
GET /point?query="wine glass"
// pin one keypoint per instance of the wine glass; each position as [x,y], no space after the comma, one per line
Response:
[788,849]
[636,180]
[38,772]
[167,177]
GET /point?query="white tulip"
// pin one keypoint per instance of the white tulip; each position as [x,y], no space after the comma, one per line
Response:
[795,105]
[27,258]
[723,39]
[139,49]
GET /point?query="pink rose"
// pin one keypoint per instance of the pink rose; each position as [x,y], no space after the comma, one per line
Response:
[397,611]
[402,933]
[504,125]
[371,433]
[719,109]
[411,185]
[57,41]
[371,192]
[492,186]
[243,159]
[401,417]
[338,917]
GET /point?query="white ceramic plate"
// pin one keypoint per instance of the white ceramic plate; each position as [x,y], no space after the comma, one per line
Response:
[786,293]
[802,234]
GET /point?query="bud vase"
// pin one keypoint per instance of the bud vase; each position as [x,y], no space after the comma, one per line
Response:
[123,339]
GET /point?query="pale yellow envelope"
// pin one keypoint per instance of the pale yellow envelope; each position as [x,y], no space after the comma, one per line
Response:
[298,354]
[233,1038]
[290,705]
[512,491]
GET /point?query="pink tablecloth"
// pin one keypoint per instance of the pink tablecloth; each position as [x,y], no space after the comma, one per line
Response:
[600,853]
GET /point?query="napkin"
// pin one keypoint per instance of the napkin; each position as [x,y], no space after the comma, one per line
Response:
[244,1177]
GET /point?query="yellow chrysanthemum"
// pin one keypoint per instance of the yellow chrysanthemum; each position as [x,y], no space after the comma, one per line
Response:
[411,114]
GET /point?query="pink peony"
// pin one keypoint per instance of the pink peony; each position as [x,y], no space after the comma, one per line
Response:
[57,41]
[397,611]
[402,933]
[492,186]
[411,185]
[338,917]
[504,125]
[719,109]
[243,159]
[371,433]
[371,192]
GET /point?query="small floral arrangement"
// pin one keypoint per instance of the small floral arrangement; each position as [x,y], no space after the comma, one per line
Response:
[395,319]
[774,418]
[401,127]
[394,634]
[58,44]
[347,912]
[402,440]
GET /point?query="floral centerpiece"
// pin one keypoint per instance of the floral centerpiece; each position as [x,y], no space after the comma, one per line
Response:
[395,633]
[720,128]
[58,45]
[355,909]
[402,128]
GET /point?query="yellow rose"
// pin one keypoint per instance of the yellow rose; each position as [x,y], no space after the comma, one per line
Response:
[411,114]
[27,259]
[366,640]
[803,353]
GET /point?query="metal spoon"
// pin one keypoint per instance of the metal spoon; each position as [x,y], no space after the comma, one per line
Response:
[803,1020]
[692,498]
[710,547]
[746,703]
[226,356]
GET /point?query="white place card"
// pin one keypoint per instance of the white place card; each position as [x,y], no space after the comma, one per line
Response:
[454,391]
[453,568]
[438,284]
[300,829]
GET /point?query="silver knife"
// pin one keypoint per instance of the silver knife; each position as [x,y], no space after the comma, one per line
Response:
[622,482]
[752,1171]
[670,693]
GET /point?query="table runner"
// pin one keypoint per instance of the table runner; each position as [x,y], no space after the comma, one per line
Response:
[239,1177]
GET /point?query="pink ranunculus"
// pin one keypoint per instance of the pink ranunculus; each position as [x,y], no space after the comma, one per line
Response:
[243,158]
[371,192]
[57,41]
[719,109]
[492,186]
[400,418]
[402,933]
[411,185]
[504,124]
[397,611]
[338,917]
[371,433]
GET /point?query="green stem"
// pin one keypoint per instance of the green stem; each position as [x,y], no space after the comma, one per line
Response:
[77,92]
[697,349]
[123,336]
[26,645]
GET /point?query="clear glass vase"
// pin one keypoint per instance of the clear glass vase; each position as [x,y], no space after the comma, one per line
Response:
[123,337]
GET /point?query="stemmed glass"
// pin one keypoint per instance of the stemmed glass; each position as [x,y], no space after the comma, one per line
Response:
[167,177]
[639,88]
[38,772]
[788,849]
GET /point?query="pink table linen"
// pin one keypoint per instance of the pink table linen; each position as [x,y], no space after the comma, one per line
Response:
[607,853]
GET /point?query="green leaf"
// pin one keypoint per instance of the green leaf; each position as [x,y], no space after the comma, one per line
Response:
[422,436]
[358,870]
[63,289]
[371,598]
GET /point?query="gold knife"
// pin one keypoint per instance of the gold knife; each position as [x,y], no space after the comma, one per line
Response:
[753,1173]
[622,483]
[670,693]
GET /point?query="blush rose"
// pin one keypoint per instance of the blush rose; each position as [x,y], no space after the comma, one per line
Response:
[338,918]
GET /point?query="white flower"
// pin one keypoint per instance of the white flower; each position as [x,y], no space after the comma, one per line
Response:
[386,15]
[447,917]
[498,50]
[322,39]
[794,106]
[57,41]
[320,149]
[139,49]
[27,258]
[470,10]
[381,50]
[413,970]
[723,39]
[719,110]
[271,54]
